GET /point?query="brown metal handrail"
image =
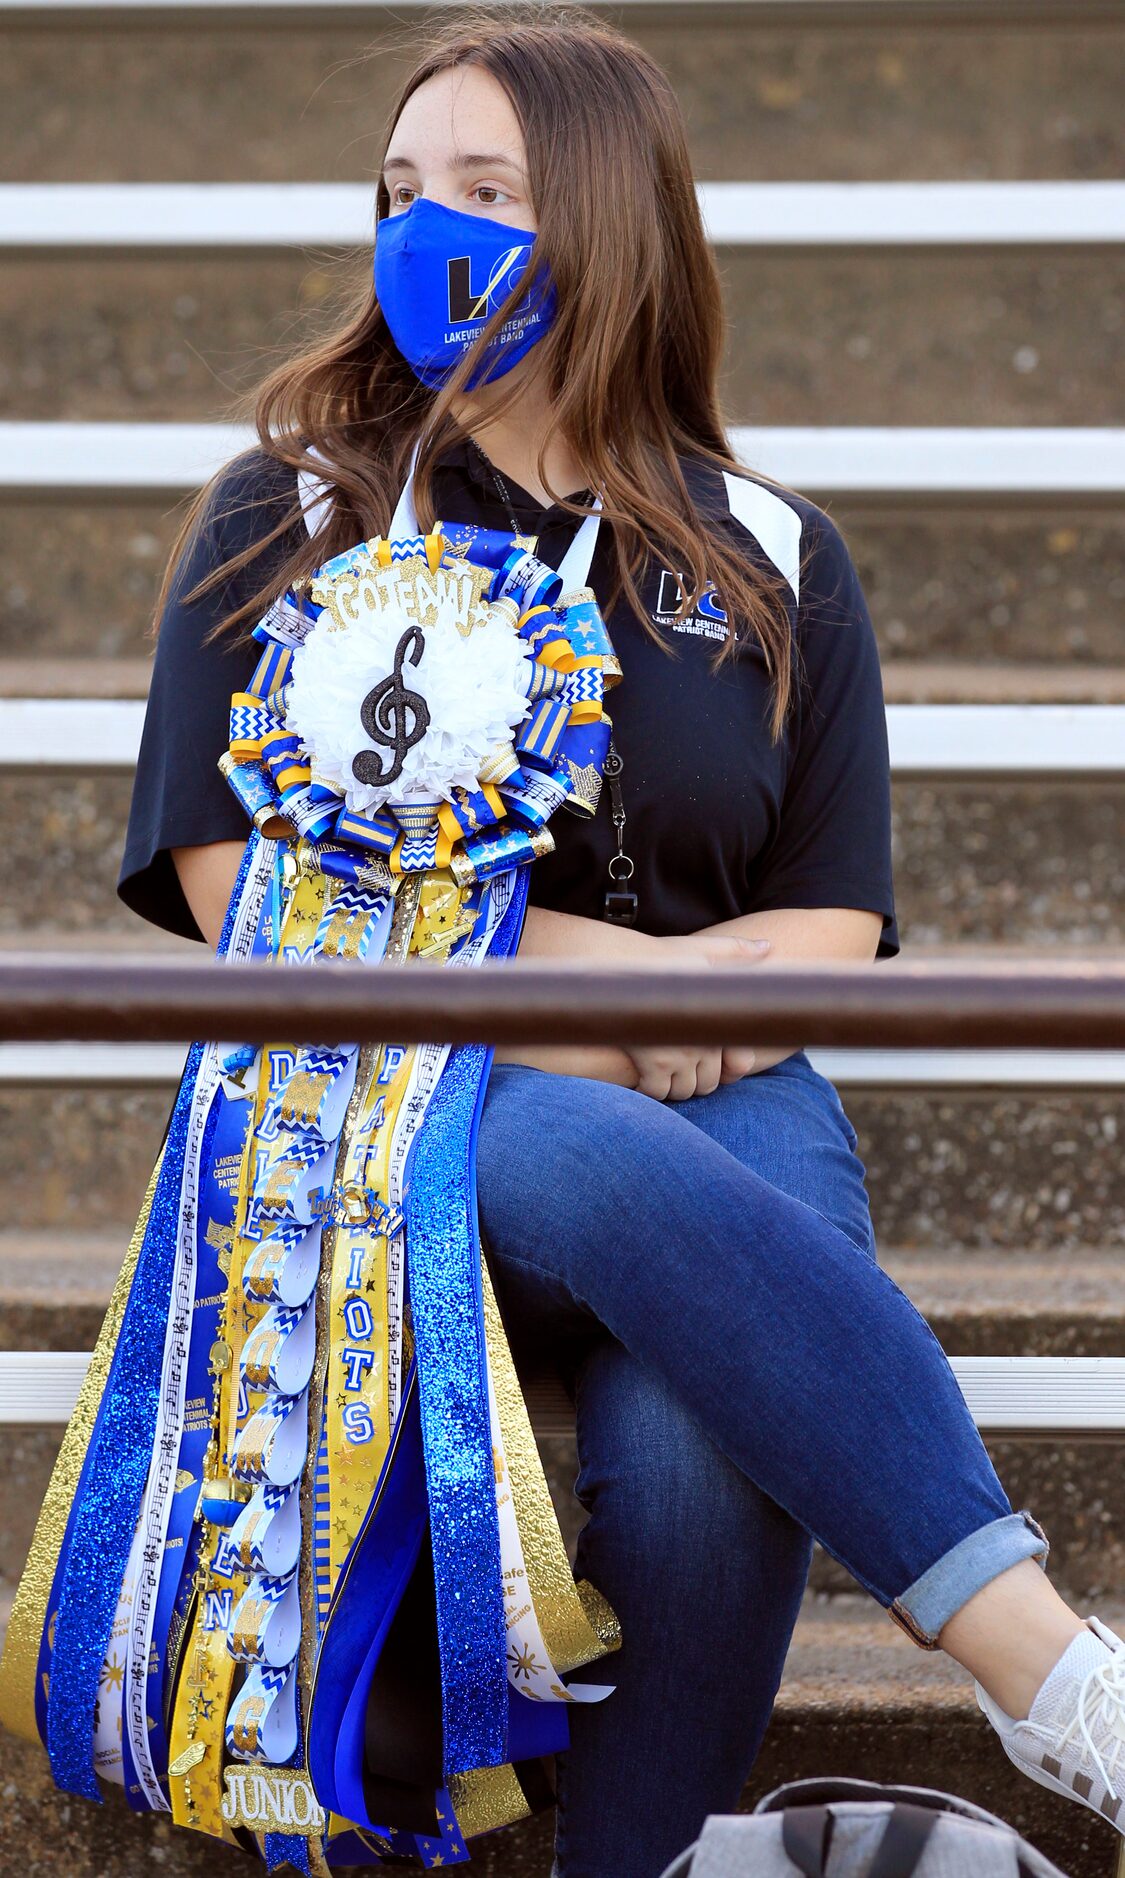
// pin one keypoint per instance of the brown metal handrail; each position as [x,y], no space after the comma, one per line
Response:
[1029,1003]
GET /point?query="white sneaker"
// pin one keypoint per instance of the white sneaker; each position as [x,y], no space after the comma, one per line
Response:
[1073,1741]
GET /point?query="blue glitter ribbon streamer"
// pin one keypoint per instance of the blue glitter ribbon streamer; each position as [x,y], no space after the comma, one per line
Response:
[104,1513]
[443,1264]
[121,1450]
[285,1851]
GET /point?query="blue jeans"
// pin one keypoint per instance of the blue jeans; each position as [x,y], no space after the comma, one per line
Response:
[746,1377]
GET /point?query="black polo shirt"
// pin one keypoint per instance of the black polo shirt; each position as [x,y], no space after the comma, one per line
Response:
[719,821]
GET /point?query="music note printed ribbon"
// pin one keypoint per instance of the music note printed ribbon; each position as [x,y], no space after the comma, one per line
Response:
[298,1556]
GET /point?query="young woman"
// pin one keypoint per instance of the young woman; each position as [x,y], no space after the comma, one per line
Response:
[683,1232]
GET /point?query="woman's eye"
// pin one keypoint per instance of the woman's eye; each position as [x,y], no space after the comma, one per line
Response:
[490,194]
[402,195]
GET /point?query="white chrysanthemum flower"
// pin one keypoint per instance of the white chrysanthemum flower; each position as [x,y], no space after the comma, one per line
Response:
[475,686]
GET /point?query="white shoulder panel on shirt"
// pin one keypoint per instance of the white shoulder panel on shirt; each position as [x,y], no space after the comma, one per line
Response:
[772,522]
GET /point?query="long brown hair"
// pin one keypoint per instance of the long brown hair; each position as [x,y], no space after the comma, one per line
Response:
[630,362]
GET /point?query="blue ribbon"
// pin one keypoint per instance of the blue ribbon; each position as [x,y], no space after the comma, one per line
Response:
[444,1275]
[117,1469]
[368,1592]
[104,1510]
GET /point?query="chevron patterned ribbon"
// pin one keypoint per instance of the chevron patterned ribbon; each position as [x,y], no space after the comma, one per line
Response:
[348,1397]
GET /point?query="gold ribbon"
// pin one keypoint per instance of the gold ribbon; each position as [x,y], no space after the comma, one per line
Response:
[577,1623]
[195,1741]
[359,1426]
[20,1659]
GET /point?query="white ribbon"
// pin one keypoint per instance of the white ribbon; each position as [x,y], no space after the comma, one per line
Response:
[124,1680]
[574,568]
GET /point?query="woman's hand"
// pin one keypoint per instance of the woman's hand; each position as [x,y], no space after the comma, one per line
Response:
[660,1072]
[548,935]
[675,1072]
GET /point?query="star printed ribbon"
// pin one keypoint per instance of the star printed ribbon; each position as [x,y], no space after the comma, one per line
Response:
[564,733]
[300,1558]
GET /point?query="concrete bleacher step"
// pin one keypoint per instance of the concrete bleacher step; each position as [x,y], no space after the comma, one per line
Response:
[981,861]
[1016,1302]
[857,1698]
[965,681]
[855,333]
[770,94]
[905,681]
[55,1284]
[74,678]
[147,940]
[997,1165]
[982,584]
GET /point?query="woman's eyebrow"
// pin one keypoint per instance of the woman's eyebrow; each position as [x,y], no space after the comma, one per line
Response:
[486,160]
[470,160]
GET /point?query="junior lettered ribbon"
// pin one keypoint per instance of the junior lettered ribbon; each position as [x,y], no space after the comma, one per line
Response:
[297,1579]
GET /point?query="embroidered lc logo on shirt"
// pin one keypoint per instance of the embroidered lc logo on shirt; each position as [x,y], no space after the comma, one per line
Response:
[708,619]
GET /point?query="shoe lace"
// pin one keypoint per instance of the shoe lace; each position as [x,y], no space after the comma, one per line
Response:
[1101,1696]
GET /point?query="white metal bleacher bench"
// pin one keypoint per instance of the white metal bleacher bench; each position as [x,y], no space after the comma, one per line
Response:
[1032,1397]
[252,216]
[863,462]
[948,741]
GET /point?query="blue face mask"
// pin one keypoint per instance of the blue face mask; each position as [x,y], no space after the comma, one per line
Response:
[440,275]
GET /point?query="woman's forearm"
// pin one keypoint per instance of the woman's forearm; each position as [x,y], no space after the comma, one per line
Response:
[550,935]
[796,934]
[805,934]
[600,1062]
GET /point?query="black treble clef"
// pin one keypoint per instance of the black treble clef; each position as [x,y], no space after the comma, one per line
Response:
[384,713]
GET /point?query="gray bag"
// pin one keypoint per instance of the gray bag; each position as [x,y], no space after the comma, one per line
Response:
[857,1829]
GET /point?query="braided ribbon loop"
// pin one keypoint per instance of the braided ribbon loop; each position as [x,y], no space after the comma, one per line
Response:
[264,1463]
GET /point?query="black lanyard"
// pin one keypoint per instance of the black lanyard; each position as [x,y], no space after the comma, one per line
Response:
[620,906]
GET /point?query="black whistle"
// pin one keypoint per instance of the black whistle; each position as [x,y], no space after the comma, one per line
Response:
[620,907]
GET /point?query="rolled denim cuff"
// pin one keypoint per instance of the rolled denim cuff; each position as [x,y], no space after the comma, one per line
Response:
[929,1603]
